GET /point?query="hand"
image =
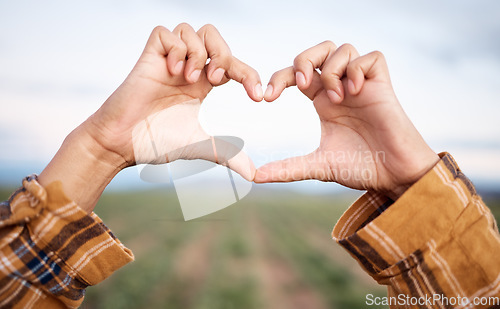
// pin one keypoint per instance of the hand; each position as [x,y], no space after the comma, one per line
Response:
[172,70]
[367,141]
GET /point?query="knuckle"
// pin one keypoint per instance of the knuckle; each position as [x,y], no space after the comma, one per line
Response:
[223,63]
[183,26]
[253,74]
[299,60]
[327,75]
[224,56]
[281,77]
[180,47]
[199,53]
[329,71]
[347,46]
[275,76]
[355,65]
[209,28]
[250,75]
[158,29]
[378,54]
[329,78]
[351,66]
[329,44]
[277,81]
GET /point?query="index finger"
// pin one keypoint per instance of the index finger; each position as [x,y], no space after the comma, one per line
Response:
[248,77]
[309,60]
[223,66]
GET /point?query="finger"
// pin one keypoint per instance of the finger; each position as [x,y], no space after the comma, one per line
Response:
[334,70]
[370,66]
[309,60]
[248,77]
[291,169]
[230,154]
[196,52]
[243,165]
[218,51]
[286,78]
[165,43]
[279,81]
[220,150]
[223,66]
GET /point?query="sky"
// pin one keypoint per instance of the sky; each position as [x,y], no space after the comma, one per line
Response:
[60,60]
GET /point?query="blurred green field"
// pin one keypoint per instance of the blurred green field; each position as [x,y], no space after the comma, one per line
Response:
[270,250]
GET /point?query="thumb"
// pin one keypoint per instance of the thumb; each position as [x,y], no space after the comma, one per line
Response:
[223,150]
[228,150]
[291,169]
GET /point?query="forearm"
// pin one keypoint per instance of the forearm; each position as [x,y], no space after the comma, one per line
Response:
[83,166]
[74,249]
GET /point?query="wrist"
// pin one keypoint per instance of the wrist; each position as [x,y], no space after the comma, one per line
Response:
[426,163]
[83,166]
[95,151]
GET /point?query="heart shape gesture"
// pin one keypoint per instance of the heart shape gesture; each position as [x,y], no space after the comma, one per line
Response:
[367,141]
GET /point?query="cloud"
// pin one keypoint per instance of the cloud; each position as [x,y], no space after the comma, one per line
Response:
[61,60]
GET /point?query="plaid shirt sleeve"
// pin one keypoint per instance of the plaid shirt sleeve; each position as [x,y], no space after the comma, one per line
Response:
[51,250]
[438,244]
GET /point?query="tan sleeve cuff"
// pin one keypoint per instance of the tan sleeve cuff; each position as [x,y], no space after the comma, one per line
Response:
[379,233]
[54,248]
[82,241]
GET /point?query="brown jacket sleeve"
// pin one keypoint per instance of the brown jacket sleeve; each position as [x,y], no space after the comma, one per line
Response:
[437,246]
[51,250]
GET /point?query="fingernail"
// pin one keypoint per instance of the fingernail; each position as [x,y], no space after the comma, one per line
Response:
[269,91]
[257,91]
[300,78]
[351,87]
[217,75]
[334,97]
[178,67]
[195,75]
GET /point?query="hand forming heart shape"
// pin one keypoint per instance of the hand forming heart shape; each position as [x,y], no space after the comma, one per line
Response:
[367,141]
